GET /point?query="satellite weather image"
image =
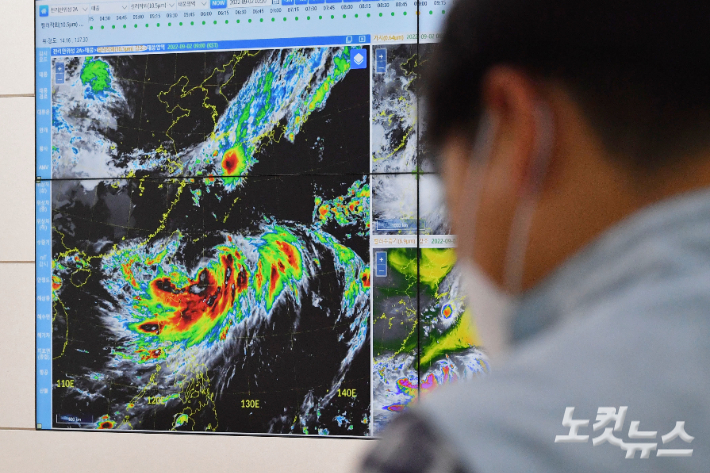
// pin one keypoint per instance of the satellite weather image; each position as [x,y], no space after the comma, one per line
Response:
[210,271]
[214,216]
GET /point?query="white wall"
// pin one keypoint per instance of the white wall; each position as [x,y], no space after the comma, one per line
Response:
[22,449]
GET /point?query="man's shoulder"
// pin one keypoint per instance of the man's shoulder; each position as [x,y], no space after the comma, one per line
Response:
[640,349]
[412,445]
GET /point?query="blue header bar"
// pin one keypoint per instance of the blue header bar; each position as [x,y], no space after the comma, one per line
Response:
[212,46]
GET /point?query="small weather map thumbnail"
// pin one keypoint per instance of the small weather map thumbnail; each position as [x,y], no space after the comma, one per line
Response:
[398,131]
[423,336]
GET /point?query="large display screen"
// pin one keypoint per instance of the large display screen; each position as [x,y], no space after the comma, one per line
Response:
[238,224]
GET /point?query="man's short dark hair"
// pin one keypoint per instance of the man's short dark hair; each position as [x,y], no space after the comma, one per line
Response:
[639,69]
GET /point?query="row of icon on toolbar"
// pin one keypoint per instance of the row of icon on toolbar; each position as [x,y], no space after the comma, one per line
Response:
[177,5]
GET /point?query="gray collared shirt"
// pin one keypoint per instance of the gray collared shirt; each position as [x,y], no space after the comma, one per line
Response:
[625,322]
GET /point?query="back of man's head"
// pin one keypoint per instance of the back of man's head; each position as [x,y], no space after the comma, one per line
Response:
[639,69]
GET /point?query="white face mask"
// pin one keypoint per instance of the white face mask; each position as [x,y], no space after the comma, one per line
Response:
[492,310]
[493,307]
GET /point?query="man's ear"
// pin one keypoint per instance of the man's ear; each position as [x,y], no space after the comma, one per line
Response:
[511,96]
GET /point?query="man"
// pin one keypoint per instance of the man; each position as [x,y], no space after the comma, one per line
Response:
[575,144]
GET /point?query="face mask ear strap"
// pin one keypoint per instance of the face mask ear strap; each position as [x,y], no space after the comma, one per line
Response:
[522,219]
[483,141]
[545,137]
[475,173]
